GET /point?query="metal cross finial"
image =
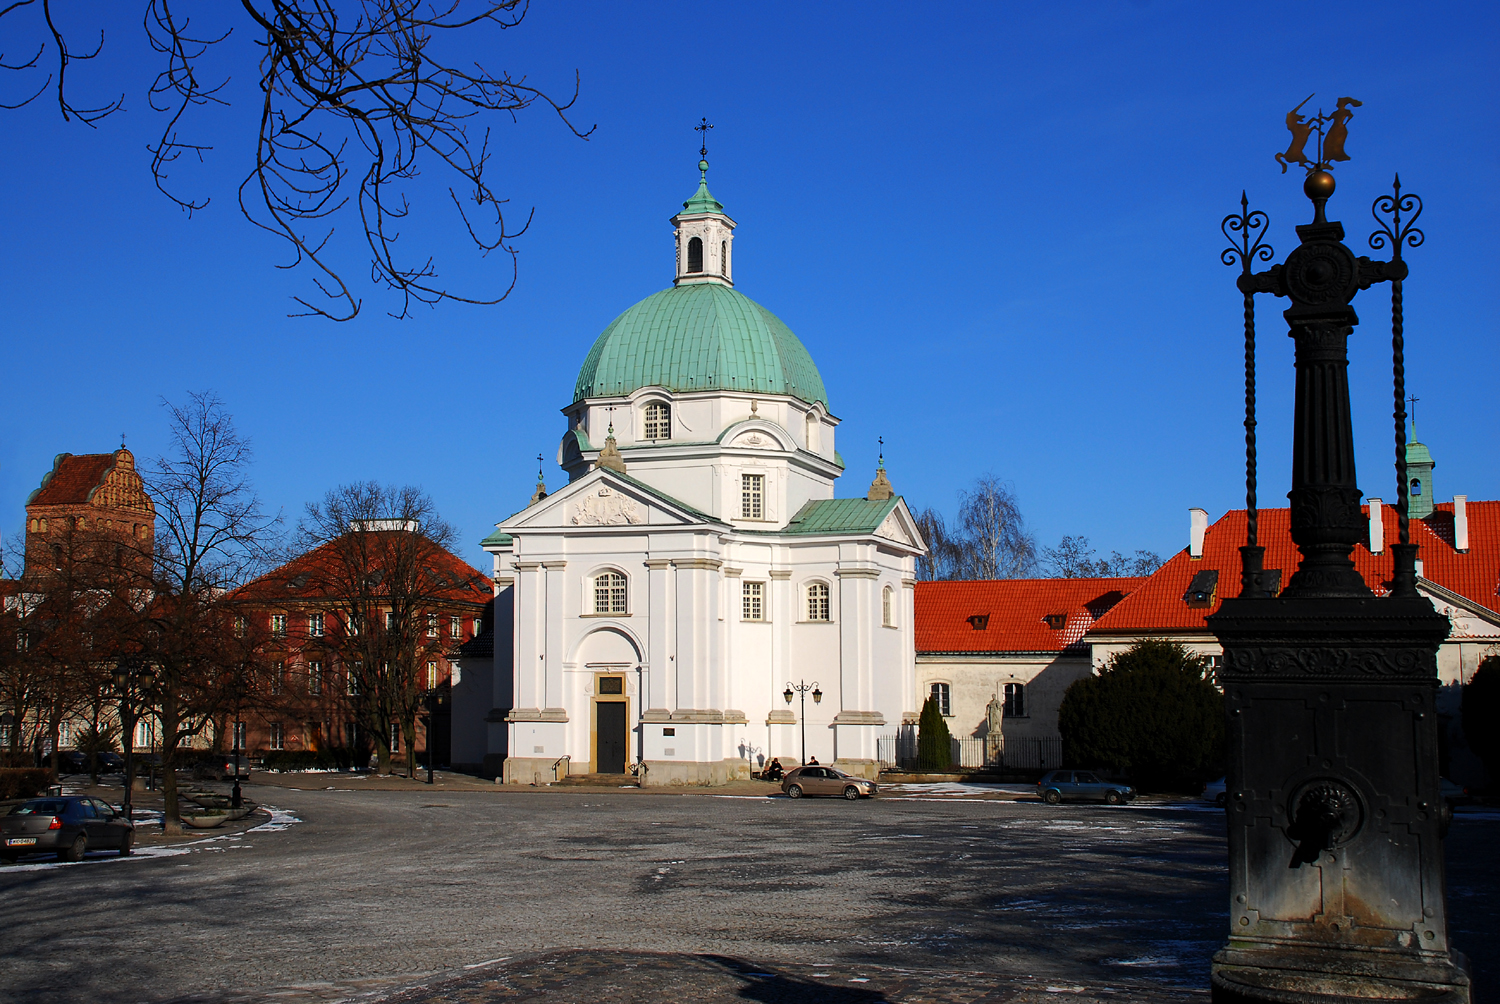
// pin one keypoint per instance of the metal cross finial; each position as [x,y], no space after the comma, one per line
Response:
[539,467]
[703,127]
[122,440]
[1413,414]
[881,441]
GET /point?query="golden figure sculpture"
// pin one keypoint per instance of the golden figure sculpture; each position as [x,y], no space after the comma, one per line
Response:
[1333,143]
[1300,131]
[1330,145]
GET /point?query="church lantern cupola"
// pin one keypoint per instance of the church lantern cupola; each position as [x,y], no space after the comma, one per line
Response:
[705,235]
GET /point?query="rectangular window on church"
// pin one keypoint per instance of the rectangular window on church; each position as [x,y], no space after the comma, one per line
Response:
[752,496]
[755,601]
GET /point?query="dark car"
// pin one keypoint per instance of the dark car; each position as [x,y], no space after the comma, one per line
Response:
[110,762]
[1081,786]
[66,826]
[72,762]
[826,781]
[236,765]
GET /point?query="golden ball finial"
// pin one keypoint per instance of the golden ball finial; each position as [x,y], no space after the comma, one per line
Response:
[1319,185]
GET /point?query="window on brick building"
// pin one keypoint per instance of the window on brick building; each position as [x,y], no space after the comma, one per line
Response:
[278,625]
[432,676]
[278,672]
[315,626]
[456,627]
[315,678]
[278,736]
[432,625]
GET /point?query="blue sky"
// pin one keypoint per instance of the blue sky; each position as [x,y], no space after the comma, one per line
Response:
[995,227]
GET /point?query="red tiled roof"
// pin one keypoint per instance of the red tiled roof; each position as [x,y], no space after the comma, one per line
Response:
[1010,615]
[1158,605]
[315,576]
[72,478]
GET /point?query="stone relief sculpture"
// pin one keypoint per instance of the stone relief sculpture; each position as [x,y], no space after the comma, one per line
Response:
[606,508]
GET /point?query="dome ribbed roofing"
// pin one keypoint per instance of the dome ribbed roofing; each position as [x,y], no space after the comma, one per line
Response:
[703,336]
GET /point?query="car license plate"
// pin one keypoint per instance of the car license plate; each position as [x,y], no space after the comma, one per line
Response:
[20,841]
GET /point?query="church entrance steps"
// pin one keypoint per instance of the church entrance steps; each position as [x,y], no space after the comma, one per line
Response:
[607,780]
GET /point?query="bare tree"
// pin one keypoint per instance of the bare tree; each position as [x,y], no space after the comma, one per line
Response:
[996,544]
[944,557]
[1073,558]
[352,92]
[380,549]
[212,534]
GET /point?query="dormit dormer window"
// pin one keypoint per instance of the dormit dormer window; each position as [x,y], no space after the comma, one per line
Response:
[658,421]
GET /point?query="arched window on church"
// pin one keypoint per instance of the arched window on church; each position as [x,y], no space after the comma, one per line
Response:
[609,593]
[1416,486]
[695,255]
[723,257]
[817,601]
[658,421]
[888,607]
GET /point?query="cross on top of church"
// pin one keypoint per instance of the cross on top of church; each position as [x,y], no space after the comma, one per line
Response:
[703,127]
[1412,414]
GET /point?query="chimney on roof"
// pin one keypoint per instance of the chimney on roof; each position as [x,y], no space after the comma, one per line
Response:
[1461,523]
[1198,526]
[1377,527]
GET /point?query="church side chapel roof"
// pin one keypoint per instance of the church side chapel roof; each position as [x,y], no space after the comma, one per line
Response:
[75,477]
[993,616]
[841,516]
[315,575]
[699,337]
[1162,605]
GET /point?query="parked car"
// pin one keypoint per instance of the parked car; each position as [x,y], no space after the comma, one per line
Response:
[1216,792]
[110,762]
[826,781]
[72,762]
[236,765]
[66,826]
[1081,786]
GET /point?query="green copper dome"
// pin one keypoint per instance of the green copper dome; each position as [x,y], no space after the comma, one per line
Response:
[703,336]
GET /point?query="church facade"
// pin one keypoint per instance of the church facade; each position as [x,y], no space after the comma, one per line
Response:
[661,611]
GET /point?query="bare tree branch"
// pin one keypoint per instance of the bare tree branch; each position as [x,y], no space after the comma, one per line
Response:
[349,89]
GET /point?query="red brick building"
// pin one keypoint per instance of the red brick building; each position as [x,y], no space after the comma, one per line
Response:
[301,693]
[91,507]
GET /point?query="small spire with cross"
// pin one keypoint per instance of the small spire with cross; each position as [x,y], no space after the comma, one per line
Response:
[702,128]
[541,486]
[880,489]
[1412,416]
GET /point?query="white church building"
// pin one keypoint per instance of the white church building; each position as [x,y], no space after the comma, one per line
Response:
[661,610]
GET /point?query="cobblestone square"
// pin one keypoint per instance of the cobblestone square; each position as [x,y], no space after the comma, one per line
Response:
[593,895]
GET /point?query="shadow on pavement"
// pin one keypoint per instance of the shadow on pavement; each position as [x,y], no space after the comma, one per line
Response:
[762,983]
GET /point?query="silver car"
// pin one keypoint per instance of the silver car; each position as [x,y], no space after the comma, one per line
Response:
[826,781]
[66,826]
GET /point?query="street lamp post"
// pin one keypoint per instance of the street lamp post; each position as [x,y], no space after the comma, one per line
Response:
[430,701]
[802,688]
[132,682]
[1335,815]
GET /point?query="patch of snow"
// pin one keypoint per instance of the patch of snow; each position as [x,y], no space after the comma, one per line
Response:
[97,857]
[280,820]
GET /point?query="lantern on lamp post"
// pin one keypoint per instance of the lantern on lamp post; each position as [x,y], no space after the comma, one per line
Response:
[803,688]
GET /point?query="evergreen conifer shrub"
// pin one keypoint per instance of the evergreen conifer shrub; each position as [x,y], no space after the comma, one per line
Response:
[1152,713]
[934,745]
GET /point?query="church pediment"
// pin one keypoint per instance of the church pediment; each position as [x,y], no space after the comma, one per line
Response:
[603,498]
[899,526]
[757,434]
